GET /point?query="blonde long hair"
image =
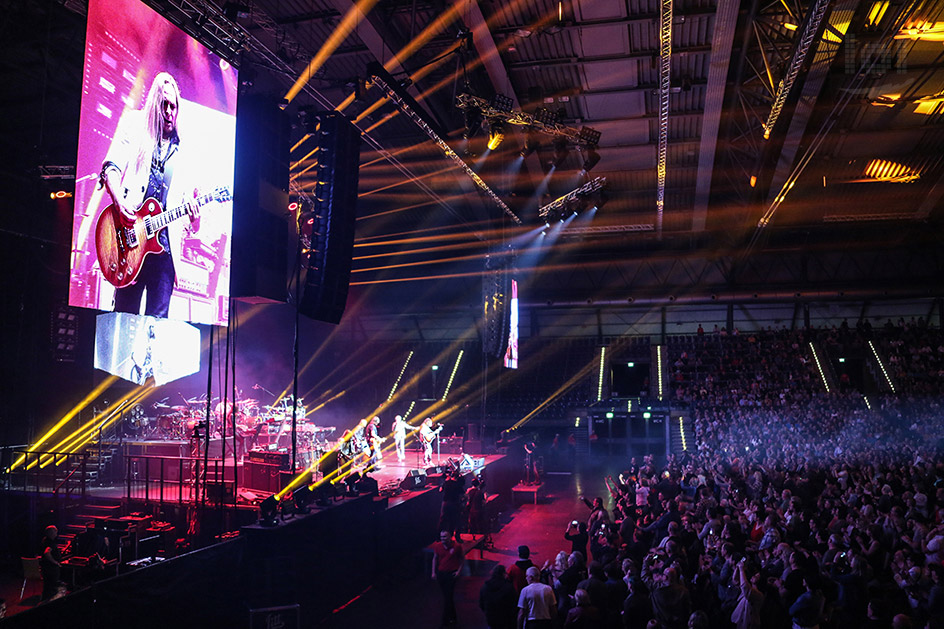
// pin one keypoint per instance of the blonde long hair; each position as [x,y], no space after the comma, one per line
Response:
[153,118]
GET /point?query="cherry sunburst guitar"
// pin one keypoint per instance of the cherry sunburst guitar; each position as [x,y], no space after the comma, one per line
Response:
[121,248]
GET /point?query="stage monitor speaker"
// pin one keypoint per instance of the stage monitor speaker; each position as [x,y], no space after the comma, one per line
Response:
[414,480]
[262,225]
[333,214]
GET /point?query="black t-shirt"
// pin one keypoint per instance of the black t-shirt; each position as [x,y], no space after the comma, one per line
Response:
[453,489]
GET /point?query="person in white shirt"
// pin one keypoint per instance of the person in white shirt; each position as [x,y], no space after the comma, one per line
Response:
[536,603]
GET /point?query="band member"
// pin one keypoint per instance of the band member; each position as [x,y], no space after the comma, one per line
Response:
[427,435]
[346,448]
[375,441]
[139,166]
[399,436]
[361,441]
[531,475]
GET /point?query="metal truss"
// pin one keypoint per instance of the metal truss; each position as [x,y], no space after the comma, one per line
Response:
[810,31]
[395,97]
[56,172]
[562,205]
[585,137]
[770,42]
[607,229]
[205,22]
[665,84]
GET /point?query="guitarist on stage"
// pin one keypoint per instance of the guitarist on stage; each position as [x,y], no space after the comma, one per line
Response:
[427,435]
[140,165]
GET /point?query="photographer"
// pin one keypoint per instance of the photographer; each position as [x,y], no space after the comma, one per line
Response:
[578,537]
[671,602]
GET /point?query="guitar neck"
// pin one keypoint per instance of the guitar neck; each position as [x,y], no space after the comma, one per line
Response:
[162,220]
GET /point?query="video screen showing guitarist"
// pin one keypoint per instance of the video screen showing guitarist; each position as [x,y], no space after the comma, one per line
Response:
[152,222]
[140,166]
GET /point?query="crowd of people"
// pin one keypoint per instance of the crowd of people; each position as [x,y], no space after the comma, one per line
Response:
[797,508]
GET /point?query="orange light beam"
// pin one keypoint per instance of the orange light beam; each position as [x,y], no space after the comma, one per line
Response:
[405,182]
[75,410]
[347,25]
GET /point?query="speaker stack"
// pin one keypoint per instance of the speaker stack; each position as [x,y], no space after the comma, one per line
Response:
[332,216]
[262,229]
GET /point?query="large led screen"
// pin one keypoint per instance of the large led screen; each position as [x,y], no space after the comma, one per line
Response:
[154,175]
[511,352]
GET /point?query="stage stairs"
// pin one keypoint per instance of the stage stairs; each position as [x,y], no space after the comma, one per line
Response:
[97,466]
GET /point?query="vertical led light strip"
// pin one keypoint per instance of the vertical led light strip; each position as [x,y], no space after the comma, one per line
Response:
[881,366]
[659,360]
[682,432]
[600,375]
[629,406]
[868,404]
[409,410]
[452,376]
[665,85]
[819,366]
[402,371]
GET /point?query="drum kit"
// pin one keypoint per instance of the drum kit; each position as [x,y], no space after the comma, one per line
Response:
[260,427]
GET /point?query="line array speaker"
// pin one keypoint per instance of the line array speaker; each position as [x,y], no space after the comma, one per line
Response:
[333,217]
[262,229]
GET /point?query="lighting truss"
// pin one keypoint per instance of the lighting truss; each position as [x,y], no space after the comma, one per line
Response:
[395,97]
[813,21]
[560,205]
[206,23]
[57,172]
[543,120]
[665,84]
[609,229]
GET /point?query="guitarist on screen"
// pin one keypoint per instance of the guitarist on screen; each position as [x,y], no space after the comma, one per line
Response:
[139,166]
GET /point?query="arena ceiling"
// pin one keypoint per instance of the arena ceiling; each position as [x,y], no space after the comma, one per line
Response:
[802,143]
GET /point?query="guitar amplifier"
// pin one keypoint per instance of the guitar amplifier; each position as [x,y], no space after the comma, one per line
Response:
[261,476]
[269,458]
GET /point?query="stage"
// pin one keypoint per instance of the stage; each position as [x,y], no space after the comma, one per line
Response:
[318,560]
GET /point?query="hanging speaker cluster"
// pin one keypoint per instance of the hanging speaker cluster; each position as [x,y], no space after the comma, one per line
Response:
[333,215]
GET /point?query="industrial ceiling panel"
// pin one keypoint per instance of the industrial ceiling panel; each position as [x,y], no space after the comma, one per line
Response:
[604,40]
[622,132]
[603,106]
[598,10]
[610,75]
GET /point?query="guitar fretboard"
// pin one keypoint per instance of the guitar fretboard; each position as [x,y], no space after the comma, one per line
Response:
[159,221]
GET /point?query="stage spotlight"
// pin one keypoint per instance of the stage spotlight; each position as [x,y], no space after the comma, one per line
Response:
[590,136]
[502,103]
[545,116]
[303,498]
[560,153]
[531,144]
[268,511]
[496,134]
[591,159]
[234,11]
[473,123]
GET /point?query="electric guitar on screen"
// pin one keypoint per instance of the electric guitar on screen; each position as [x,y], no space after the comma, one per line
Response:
[121,249]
